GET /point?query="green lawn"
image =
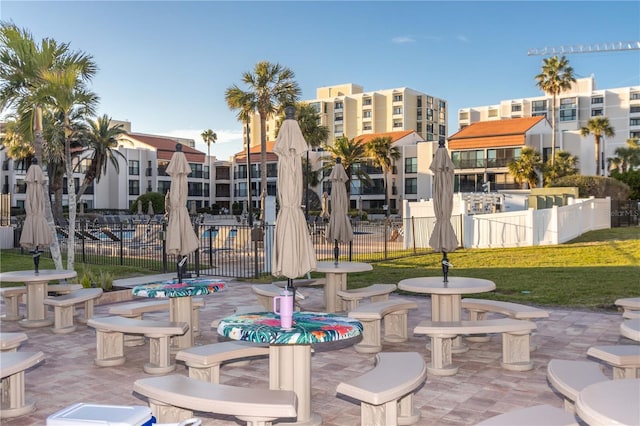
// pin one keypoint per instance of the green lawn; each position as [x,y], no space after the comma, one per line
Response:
[589,272]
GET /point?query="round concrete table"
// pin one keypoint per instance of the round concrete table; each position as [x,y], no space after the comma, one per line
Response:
[36,292]
[609,403]
[290,349]
[446,297]
[337,280]
[180,301]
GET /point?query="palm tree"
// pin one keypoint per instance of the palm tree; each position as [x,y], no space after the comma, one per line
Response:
[526,167]
[22,62]
[64,92]
[565,165]
[209,137]
[555,78]
[598,127]
[102,145]
[383,153]
[627,157]
[352,154]
[270,88]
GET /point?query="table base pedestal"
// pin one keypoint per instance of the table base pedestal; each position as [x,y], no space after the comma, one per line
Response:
[180,311]
[290,369]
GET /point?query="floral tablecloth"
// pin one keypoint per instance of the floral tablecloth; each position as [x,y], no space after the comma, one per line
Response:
[308,328]
[173,288]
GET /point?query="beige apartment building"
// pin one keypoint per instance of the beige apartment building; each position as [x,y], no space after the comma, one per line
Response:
[574,109]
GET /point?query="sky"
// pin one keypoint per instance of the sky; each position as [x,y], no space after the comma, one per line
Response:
[165,65]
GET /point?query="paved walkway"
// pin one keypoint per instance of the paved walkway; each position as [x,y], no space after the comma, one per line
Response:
[481,389]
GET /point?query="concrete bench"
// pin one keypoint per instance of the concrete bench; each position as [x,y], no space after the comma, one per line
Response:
[11,297]
[569,377]
[110,333]
[533,416]
[386,392]
[394,312]
[625,359]
[136,310]
[515,342]
[10,342]
[64,308]
[59,289]
[174,398]
[478,309]
[12,368]
[630,307]
[204,361]
[376,292]
[631,329]
[266,292]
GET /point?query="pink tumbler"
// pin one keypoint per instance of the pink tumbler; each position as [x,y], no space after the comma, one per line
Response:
[285,300]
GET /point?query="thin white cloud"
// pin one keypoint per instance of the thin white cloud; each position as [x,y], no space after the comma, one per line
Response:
[462,38]
[403,40]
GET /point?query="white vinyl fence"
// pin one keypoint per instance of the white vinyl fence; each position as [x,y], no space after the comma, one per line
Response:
[531,227]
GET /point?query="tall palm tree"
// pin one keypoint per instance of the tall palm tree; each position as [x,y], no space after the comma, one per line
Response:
[22,61]
[101,144]
[64,92]
[555,78]
[209,137]
[598,127]
[352,154]
[525,168]
[383,153]
[270,87]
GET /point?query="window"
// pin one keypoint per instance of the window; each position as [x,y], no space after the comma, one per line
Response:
[634,135]
[338,128]
[430,101]
[634,96]
[366,101]
[366,114]
[493,113]
[411,165]
[429,114]
[442,130]
[397,124]
[419,113]
[411,186]
[134,187]
[419,127]
[397,110]
[366,126]
[163,186]
[430,127]
[338,117]
[134,167]
[442,105]
[501,157]
[468,159]
[539,106]
[596,112]
[634,122]
[516,107]
[339,105]
[634,108]
[419,100]
[597,100]
[568,108]
[397,98]
[196,170]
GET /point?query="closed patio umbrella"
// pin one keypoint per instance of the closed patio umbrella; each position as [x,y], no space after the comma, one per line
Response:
[181,238]
[150,211]
[339,227]
[36,233]
[294,254]
[139,208]
[443,239]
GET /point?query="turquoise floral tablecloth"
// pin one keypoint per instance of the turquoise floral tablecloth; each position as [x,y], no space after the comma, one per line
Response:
[173,288]
[308,328]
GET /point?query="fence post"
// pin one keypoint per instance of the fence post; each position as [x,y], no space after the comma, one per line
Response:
[164,247]
[121,245]
[197,254]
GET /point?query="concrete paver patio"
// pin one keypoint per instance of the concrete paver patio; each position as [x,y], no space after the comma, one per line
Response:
[480,390]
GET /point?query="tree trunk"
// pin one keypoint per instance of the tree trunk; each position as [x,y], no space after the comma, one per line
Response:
[71,193]
[263,158]
[597,140]
[55,245]
[553,131]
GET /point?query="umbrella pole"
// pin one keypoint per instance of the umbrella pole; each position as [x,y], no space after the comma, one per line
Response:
[445,266]
[181,266]
[336,252]
[36,259]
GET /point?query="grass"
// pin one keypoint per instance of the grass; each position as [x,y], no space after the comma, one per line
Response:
[589,272]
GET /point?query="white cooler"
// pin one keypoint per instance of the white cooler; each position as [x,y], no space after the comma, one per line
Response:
[107,415]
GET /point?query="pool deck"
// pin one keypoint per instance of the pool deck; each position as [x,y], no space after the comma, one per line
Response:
[480,390]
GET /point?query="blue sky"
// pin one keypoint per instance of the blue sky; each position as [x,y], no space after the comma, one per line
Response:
[165,65]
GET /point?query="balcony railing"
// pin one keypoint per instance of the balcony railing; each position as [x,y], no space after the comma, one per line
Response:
[483,163]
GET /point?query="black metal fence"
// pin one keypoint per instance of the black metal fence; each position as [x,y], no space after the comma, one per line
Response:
[624,213]
[226,250]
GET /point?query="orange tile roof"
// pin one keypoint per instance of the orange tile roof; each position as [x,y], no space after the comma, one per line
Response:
[254,151]
[510,126]
[395,136]
[499,133]
[165,147]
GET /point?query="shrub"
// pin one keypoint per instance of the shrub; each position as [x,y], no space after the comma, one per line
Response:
[595,186]
[631,178]
[156,198]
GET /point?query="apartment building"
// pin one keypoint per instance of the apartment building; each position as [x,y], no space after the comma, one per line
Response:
[142,170]
[575,107]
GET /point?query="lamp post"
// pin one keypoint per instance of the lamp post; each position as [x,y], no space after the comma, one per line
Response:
[249,207]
